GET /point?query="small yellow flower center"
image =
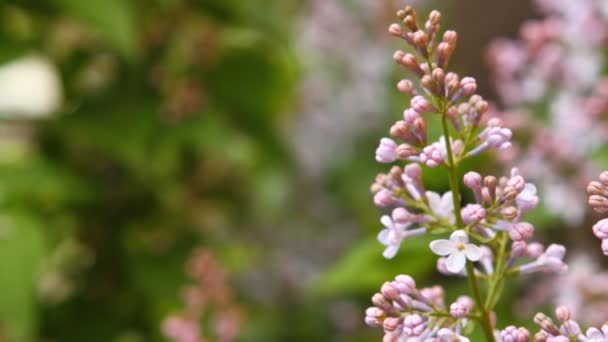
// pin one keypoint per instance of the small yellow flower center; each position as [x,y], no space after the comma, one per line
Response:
[460,246]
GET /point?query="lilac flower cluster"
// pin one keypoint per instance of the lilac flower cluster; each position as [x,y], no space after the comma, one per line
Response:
[209,296]
[598,200]
[557,65]
[567,330]
[406,311]
[489,240]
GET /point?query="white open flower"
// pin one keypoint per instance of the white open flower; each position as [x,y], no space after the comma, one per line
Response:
[458,249]
[391,236]
[443,206]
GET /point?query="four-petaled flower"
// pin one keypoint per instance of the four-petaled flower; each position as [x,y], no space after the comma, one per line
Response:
[458,249]
[443,206]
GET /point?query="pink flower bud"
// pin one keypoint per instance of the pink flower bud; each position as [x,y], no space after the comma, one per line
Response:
[400,130]
[406,87]
[402,216]
[391,323]
[473,213]
[535,249]
[398,56]
[562,313]
[435,294]
[410,62]
[413,171]
[386,151]
[410,115]
[600,229]
[513,334]
[421,39]
[598,203]
[469,86]
[421,104]
[432,155]
[596,188]
[414,325]
[518,183]
[571,328]
[450,37]
[521,231]
[395,30]
[383,198]
[389,291]
[604,178]
[519,249]
[605,246]
[404,151]
[472,180]
[461,307]
[405,284]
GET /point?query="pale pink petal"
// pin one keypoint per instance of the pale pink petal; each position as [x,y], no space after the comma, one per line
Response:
[383,236]
[455,262]
[390,251]
[442,247]
[387,221]
[472,252]
[459,236]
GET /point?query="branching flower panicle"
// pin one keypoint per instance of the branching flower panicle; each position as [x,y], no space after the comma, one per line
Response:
[488,241]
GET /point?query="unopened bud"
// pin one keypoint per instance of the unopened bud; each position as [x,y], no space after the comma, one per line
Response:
[395,30]
[604,178]
[521,231]
[400,130]
[420,125]
[410,22]
[450,37]
[598,203]
[406,87]
[435,17]
[481,106]
[562,313]
[509,212]
[596,188]
[490,183]
[600,229]
[476,98]
[381,302]
[410,62]
[391,323]
[472,180]
[404,151]
[420,104]
[468,85]
[398,56]
[546,324]
[509,194]
[420,39]
[519,249]
[389,291]
[429,84]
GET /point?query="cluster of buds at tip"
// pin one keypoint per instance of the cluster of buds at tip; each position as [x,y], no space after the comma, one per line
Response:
[406,312]
[566,329]
[598,200]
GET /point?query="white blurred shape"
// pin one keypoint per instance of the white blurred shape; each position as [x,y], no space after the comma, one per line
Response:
[29,87]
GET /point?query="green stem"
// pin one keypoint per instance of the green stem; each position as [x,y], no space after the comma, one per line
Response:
[454,186]
[499,273]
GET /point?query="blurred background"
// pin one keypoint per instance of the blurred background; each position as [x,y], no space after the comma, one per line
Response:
[165,162]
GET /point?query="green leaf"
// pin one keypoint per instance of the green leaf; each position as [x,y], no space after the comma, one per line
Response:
[114,20]
[363,269]
[22,249]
